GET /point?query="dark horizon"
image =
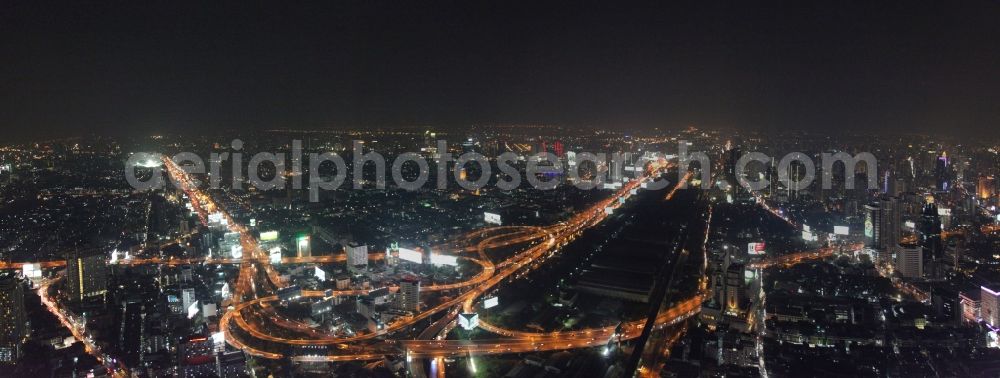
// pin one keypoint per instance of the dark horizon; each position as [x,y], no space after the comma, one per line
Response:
[115,68]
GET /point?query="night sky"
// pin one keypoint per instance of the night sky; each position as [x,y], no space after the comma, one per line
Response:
[114,67]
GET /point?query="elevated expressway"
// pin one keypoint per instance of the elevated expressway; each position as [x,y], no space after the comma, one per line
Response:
[301,343]
[257,283]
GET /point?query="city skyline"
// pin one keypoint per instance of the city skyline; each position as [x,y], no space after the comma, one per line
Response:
[499,189]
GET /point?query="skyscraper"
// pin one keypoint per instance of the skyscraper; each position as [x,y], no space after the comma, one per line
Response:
[357,256]
[733,178]
[408,297]
[891,221]
[990,305]
[929,231]
[13,321]
[909,261]
[734,288]
[986,187]
[883,225]
[86,275]
[941,174]
[873,222]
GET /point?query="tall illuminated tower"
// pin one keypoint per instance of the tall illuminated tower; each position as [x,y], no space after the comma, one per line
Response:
[86,276]
[13,321]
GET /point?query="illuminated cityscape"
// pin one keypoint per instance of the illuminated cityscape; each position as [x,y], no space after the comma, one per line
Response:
[375,190]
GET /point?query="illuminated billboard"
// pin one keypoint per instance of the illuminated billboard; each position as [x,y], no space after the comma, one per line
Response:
[236,251]
[491,302]
[468,321]
[192,310]
[609,210]
[841,230]
[910,224]
[411,255]
[492,218]
[275,255]
[755,249]
[437,259]
[217,218]
[808,236]
[219,339]
[209,309]
[319,273]
[31,270]
[269,235]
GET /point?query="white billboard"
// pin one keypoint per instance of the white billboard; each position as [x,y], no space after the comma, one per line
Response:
[437,259]
[319,273]
[841,230]
[492,218]
[468,321]
[910,224]
[609,210]
[491,302]
[218,338]
[755,249]
[944,212]
[808,236]
[275,255]
[269,235]
[236,251]
[192,310]
[217,218]
[411,255]
[31,270]
[209,309]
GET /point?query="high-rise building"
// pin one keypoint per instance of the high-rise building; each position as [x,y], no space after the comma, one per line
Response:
[986,187]
[891,221]
[929,232]
[873,222]
[188,298]
[883,225]
[357,256]
[990,305]
[86,275]
[408,297]
[735,290]
[732,156]
[13,320]
[909,260]
[941,173]
[131,332]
